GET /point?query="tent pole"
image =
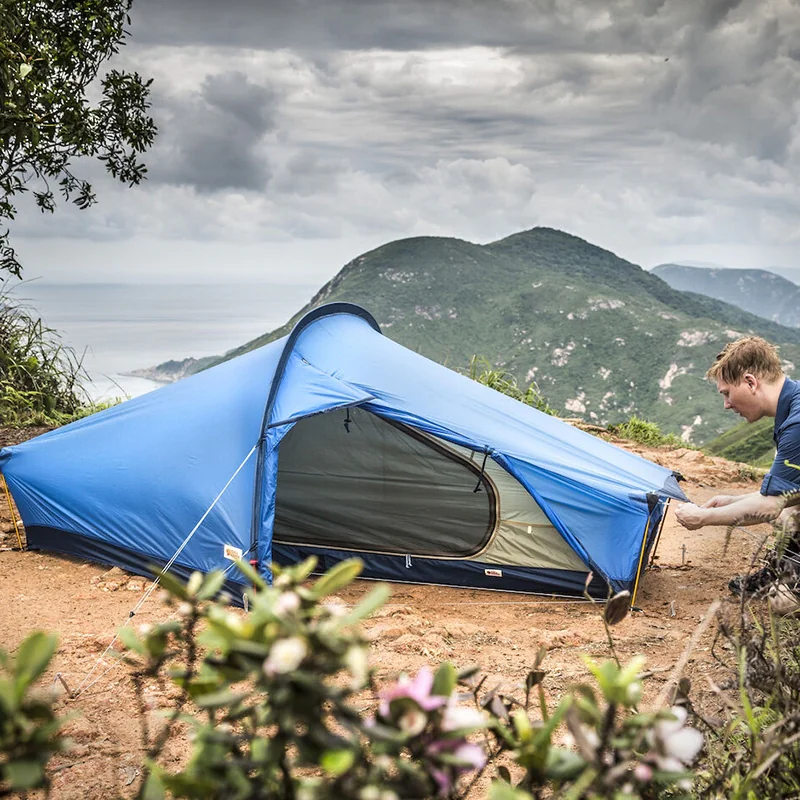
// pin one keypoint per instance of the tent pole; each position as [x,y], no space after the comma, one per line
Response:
[641,558]
[12,512]
[660,528]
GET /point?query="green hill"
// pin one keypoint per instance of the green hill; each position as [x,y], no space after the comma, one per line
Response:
[603,338]
[752,444]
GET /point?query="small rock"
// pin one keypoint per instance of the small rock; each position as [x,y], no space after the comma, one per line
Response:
[386,630]
[114,573]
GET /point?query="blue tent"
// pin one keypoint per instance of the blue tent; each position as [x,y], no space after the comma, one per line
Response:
[337,441]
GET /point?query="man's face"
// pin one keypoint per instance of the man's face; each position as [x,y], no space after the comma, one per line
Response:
[742,397]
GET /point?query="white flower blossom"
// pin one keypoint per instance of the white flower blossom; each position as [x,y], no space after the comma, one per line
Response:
[413,721]
[287,603]
[457,718]
[357,662]
[677,740]
[285,656]
[335,609]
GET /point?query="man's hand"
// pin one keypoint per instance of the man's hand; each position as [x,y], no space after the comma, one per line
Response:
[690,516]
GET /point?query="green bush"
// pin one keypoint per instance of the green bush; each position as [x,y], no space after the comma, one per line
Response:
[647,433]
[481,370]
[29,729]
[282,703]
[41,380]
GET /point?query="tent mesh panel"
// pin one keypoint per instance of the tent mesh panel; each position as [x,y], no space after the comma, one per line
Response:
[379,486]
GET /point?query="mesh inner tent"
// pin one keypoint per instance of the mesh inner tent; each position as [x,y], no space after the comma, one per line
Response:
[379,486]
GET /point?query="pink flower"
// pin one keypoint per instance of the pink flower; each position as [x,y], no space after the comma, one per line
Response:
[418,690]
[471,755]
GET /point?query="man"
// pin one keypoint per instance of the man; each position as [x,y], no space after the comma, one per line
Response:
[750,378]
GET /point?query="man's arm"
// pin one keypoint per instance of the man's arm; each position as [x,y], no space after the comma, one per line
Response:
[749,509]
[721,500]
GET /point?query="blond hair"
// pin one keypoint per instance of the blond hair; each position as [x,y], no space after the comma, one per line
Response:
[750,354]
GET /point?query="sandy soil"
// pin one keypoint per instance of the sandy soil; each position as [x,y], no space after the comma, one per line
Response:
[85,603]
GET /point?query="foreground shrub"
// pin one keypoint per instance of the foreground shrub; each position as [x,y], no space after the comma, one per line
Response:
[28,725]
[754,750]
[281,703]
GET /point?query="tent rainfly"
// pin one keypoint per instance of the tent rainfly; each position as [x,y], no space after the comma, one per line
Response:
[338,442]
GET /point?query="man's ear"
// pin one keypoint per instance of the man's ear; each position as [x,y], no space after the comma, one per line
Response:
[751,381]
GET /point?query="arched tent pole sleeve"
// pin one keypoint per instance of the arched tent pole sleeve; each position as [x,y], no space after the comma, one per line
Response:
[312,316]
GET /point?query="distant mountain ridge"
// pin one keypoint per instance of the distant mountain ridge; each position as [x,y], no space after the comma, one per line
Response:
[603,338]
[755,290]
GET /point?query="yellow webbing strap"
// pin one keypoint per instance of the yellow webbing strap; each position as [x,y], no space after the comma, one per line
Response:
[11,511]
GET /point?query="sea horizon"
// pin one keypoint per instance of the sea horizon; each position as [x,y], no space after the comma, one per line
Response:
[116,328]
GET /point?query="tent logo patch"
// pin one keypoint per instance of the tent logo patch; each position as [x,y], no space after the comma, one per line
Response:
[231,553]
[493,573]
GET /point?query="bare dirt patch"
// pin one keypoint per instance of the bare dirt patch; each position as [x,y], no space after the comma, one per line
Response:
[85,603]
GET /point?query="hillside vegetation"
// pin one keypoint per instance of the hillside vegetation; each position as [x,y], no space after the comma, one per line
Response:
[602,338]
[755,290]
[751,443]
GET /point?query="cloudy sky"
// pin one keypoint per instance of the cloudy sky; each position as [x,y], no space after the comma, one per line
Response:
[295,134]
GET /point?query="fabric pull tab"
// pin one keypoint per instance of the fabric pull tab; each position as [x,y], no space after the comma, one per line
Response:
[408,562]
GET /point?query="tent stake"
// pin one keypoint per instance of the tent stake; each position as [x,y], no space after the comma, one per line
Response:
[12,512]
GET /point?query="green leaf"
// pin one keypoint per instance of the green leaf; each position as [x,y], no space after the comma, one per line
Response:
[211,585]
[9,702]
[24,70]
[194,583]
[499,790]
[153,788]
[25,774]
[173,585]
[371,603]
[33,656]
[444,681]
[343,574]
[337,762]
[299,572]
[564,765]
[522,724]
[131,640]
[224,697]
[250,573]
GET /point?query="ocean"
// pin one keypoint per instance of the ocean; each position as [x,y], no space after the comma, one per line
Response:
[118,328]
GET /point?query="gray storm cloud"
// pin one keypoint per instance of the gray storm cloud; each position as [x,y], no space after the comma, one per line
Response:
[211,137]
[663,127]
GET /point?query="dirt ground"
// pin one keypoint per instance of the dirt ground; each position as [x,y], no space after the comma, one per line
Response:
[85,603]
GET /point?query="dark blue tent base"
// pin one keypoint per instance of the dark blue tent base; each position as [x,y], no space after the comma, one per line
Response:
[72,544]
[399,569]
[457,573]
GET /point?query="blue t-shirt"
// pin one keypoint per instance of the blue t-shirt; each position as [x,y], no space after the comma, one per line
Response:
[782,478]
